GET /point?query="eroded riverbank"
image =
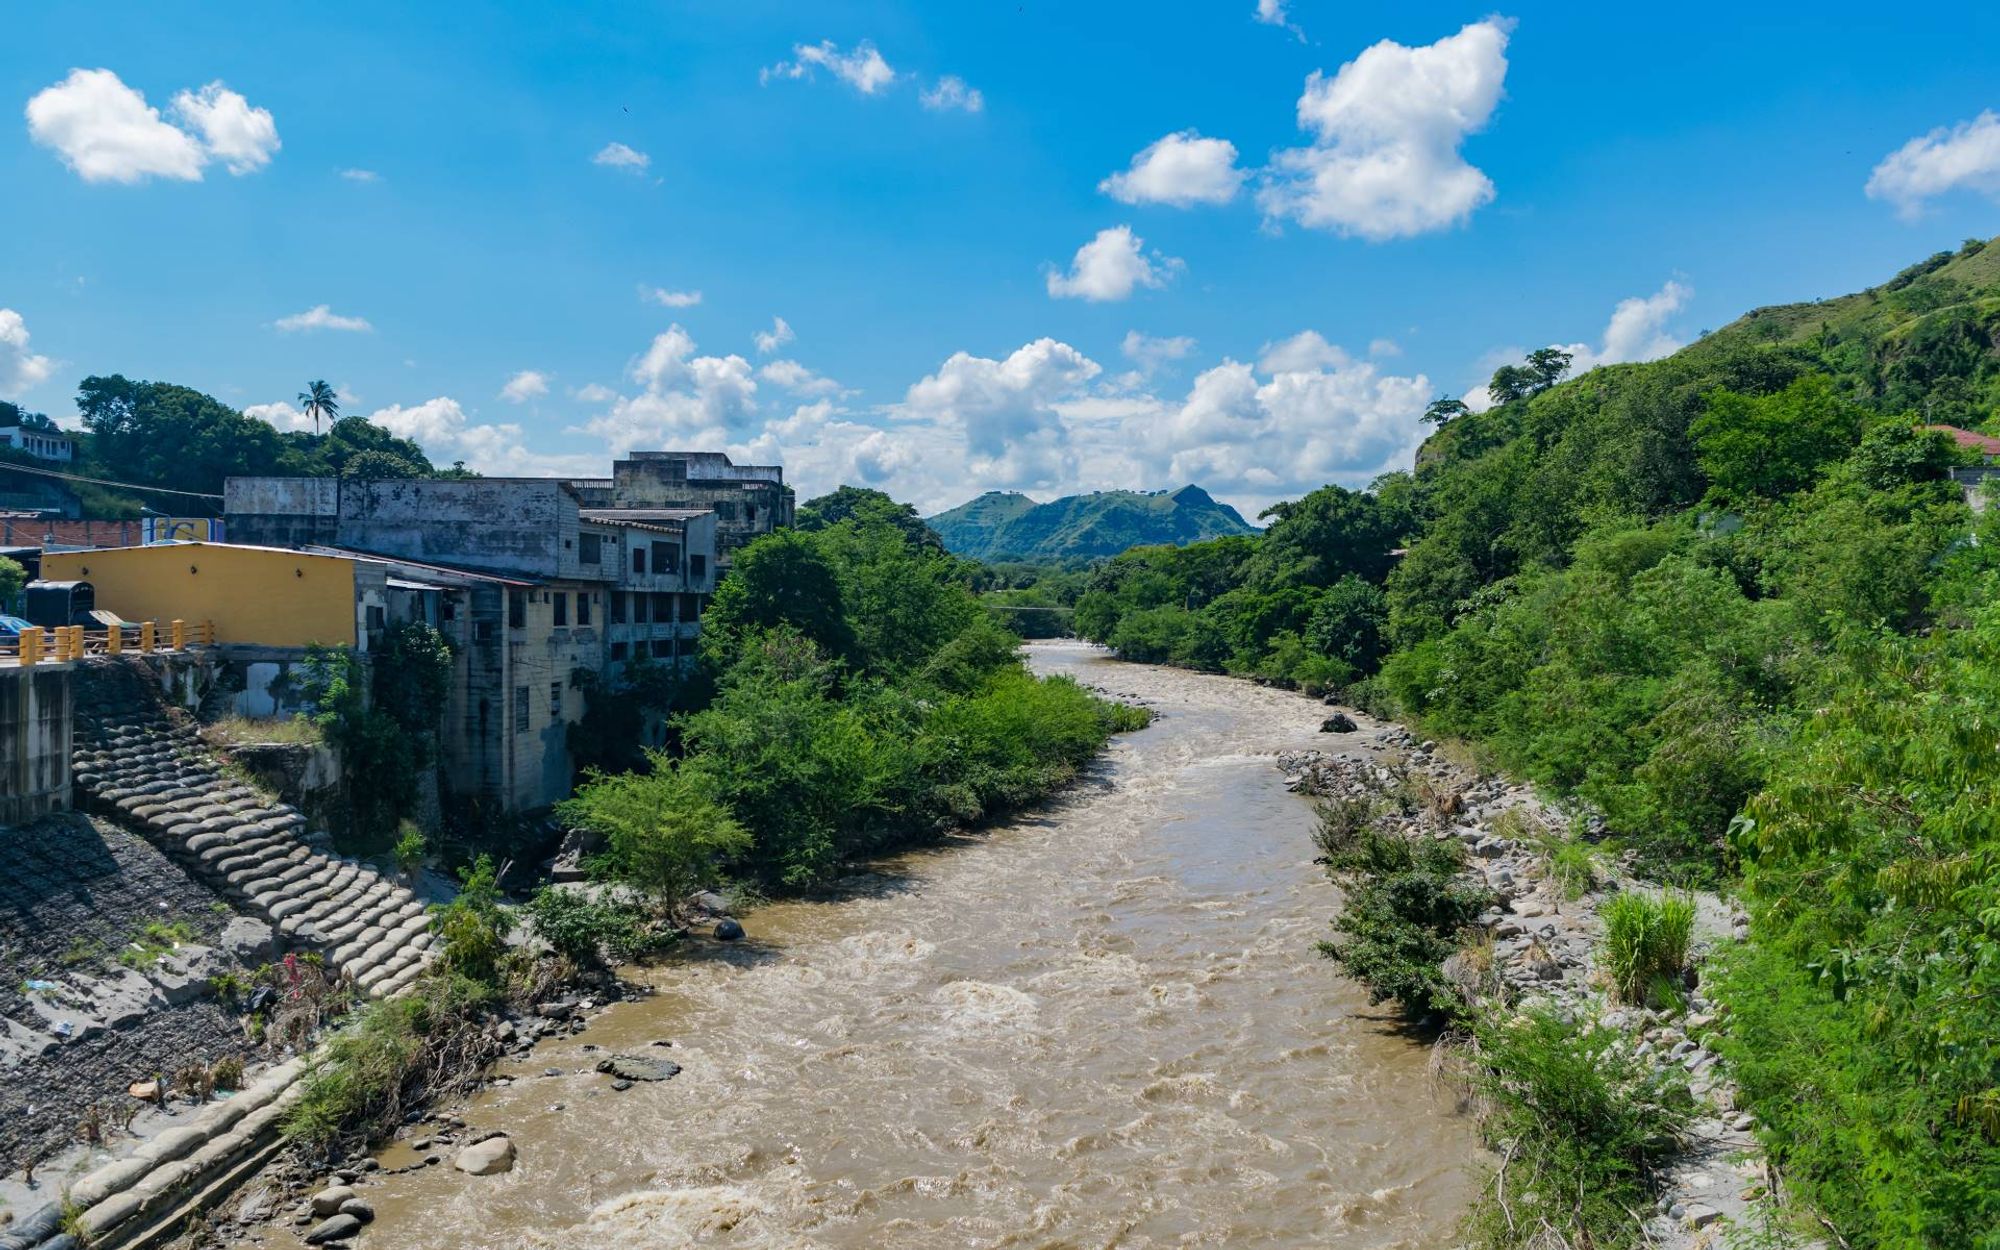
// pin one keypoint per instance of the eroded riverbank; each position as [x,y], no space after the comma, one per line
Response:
[1100,1024]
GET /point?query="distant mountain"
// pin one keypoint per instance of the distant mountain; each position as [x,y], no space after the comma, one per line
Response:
[1004,525]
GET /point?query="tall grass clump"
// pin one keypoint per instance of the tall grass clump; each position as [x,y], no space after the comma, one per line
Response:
[1584,1128]
[1404,915]
[1646,942]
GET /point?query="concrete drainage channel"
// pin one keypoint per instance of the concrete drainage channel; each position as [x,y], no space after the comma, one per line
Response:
[136,762]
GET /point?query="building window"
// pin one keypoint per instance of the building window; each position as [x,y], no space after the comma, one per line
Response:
[617,607]
[663,609]
[666,557]
[590,548]
[561,602]
[555,700]
[520,709]
[690,607]
[638,559]
[517,609]
[448,609]
[617,650]
[639,607]
[377,617]
[697,567]
[582,608]
[663,648]
[483,631]
[749,512]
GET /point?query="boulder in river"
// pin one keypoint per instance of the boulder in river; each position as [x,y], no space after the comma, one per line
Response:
[634,1068]
[337,1228]
[327,1201]
[727,930]
[1338,723]
[487,1158]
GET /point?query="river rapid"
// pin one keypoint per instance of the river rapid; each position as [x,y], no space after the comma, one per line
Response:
[1102,1024]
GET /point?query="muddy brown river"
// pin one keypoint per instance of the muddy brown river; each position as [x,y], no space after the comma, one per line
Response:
[1100,1025]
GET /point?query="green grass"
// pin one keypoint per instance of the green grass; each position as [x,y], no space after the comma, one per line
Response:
[153,942]
[1646,943]
[243,731]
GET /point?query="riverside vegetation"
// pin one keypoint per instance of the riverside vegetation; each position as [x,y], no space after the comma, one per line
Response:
[1733,605]
[852,697]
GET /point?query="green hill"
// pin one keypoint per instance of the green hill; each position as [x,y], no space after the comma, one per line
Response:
[1004,525]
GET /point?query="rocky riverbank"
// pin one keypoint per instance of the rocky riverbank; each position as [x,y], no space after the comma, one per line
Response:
[1545,950]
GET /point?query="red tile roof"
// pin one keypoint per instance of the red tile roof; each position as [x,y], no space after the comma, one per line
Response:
[1984,444]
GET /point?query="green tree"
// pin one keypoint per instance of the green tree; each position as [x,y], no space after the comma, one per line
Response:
[1768,446]
[12,578]
[784,580]
[665,831]
[859,503]
[1442,411]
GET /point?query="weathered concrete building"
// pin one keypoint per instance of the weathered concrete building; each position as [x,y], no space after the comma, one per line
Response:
[532,588]
[748,500]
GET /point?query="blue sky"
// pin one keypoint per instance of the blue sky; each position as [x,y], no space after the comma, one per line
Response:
[1263,307]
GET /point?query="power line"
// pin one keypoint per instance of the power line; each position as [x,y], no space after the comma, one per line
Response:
[98,481]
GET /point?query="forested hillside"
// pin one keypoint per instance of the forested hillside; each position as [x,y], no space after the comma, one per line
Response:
[1001,525]
[1734,600]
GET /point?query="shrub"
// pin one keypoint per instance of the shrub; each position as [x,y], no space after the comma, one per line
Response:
[1404,911]
[473,927]
[583,929]
[410,849]
[359,1082]
[1584,1127]
[1646,941]
[665,831]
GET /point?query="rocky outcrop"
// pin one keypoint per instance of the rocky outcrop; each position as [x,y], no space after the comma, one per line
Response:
[136,761]
[1544,950]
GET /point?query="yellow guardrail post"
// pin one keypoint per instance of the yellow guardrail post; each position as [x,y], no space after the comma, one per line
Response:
[114,640]
[76,647]
[147,641]
[179,634]
[31,647]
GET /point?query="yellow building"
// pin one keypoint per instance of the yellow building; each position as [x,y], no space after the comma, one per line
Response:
[256,596]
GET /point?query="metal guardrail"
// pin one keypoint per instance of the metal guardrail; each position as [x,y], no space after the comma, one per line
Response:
[62,643]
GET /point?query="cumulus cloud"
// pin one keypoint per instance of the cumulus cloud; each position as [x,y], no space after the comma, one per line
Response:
[1304,351]
[241,137]
[620,157]
[669,299]
[684,398]
[106,132]
[1150,353]
[1385,162]
[798,379]
[952,93]
[321,317]
[1638,330]
[526,385]
[1110,267]
[862,69]
[772,339]
[1183,169]
[20,369]
[1005,409]
[594,393]
[282,415]
[360,175]
[1950,158]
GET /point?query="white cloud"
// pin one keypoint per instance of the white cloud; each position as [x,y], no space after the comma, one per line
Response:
[241,137]
[1385,160]
[106,132]
[1182,169]
[952,93]
[360,175]
[670,299]
[282,415]
[862,69]
[321,317]
[798,379]
[618,156]
[772,339]
[1306,350]
[684,398]
[20,369]
[1110,267]
[594,393]
[526,385]
[1005,410]
[1149,353]
[1961,157]
[1636,331]
[1272,13]
[1379,348]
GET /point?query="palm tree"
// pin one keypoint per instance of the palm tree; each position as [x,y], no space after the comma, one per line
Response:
[319,401]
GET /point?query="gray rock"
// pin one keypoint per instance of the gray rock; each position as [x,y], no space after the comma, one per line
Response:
[633,1068]
[487,1158]
[247,940]
[709,901]
[338,1228]
[1699,1215]
[728,930]
[359,1209]
[557,1009]
[327,1201]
